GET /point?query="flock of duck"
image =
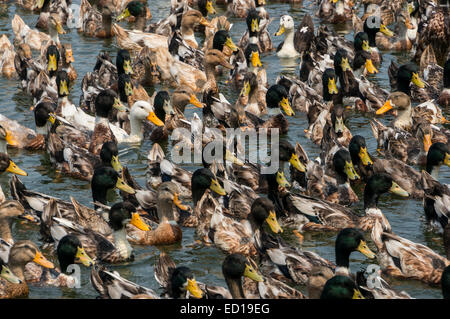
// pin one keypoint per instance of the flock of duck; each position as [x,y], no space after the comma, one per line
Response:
[235,208]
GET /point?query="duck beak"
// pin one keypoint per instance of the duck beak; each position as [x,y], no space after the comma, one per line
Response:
[333,1]
[417,81]
[154,119]
[120,184]
[294,161]
[210,7]
[396,189]
[229,43]
[179,203]
[59,28]
[115,163]
[245,89]
[339,126]
[127,67]
[447,159]
[386,107]
[63,89]
[281,180]
[256,62]
[386,31]
[52,65]
[125,14]
[273,223]
[29,217]
[286,107]
[350,171]
[345,65]
[205,22]
[13,168]
[51,118]
[410,8]
[280,31]
[40,4]
[357,294]
[233,159]
[365,250]
[193,288]
[194,101]
[83,258]
[10,139]
[118,105]
[427,142]
[254,26]
[215,187]
[261,2]
[138,222]
[332,89]
[370,67]
[251,273]
[7,274]
[69,56]
[128,89]
[364,156]
[366,46]
[41,260]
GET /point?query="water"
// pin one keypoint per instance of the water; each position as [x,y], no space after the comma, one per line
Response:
[405,216]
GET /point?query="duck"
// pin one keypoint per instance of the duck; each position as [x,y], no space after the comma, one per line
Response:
[406,38]
[9,210]
[362,62]
[10,284]
[167,232]
[340,287]
[338,11]
[189,21]
[295,42]
[96,21]
[277,100]
[361,159]
[7,165]
[21,254]
[138,10]
[401,78]
[256,33]
[25,35]
[67,60]
[372,30]
[404,259]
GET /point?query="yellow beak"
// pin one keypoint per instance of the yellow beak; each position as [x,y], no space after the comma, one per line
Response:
[41,260]
[138,222]
[8,275]
[252,274]
[417,81]
[254,26]
[194,101]
[124,14]
[52,118]
[370,67]
[127,67]
[10,139]
[194,289]
[229,43]
[128,88]
[115,163]
[396,189]
[120,184]
[118,105]
[295,161]
[281,180]
[256,62]
[179,203]
[83,258]
[63,89]
[215,187]
[273,223]
[13,168]
[357,294]
[233,159]
[245,89]
[69,56]
[427,142]
[345,65]
[364,156]
[286,107]
[59,28]
[210,7]
[350,171]
[366,46]
[339,126]
[154,119]
[280,31]
[332,89]
[365,250]
[205,22]
[40,3]
[386,31]
[52,65]
[386,107]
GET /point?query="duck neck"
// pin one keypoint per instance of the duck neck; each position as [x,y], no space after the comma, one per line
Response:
[370,200]
[54,35]
[211,78]
[165,211]
[404,119]
[3,148]
[122,244]
[140,23]
[5,230]
[136,127]
[17,269]
[403,86]
[99,195]
[433,170]
[101,120]
[342,258]
[188,33]
[272,111]
[235,287]
[107,23]
[289,39]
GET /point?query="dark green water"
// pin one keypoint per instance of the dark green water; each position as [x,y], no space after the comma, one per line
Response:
[405,216]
